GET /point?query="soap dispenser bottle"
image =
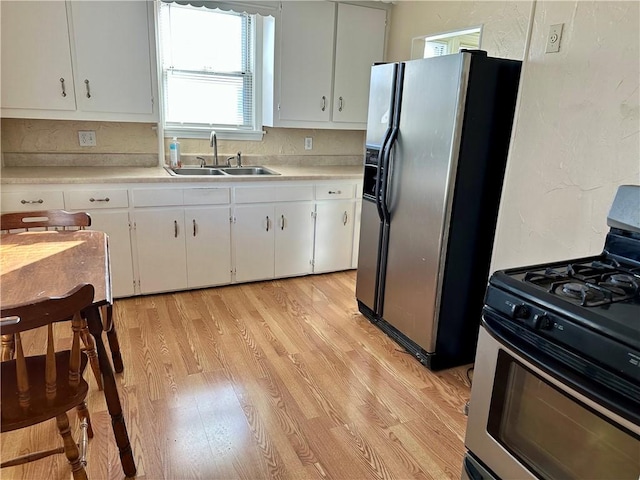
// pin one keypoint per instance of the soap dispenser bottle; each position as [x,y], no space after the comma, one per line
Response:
[174,153]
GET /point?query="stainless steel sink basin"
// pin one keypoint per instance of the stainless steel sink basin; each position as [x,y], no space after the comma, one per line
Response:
[196,171]
[248,171]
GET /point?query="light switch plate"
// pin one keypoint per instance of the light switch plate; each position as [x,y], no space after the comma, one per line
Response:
[308,143]
[554,37]
[87,138]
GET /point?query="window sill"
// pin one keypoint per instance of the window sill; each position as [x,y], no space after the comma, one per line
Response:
[251,135]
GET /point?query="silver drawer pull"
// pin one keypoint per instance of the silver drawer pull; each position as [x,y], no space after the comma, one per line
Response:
[282,222]
[345,218]
[335,192]
[324,103]
[105,199]
[86,84]
[24,202]
[268,222]
[64,93]
[194,228]
[340,104]
[175,229]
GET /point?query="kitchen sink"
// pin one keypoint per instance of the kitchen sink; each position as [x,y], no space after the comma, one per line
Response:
[196,171]
[248,171]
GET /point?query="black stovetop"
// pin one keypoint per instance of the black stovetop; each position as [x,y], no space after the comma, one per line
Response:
[600,292]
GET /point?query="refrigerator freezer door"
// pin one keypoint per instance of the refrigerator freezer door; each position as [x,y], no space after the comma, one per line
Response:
[381,92]
[422,172]
[366,283]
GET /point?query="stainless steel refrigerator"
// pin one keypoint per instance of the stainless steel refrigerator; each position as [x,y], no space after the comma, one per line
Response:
[438,133]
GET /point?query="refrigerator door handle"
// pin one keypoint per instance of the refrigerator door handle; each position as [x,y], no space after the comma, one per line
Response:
[380,173]
[388,174]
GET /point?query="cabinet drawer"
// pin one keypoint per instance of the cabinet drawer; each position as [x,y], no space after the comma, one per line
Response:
[93,199]
[255,194]
[206,196]
[334,192]
[32,200]
[294,193]
[157,197]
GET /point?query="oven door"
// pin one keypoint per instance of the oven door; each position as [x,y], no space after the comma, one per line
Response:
[525,422]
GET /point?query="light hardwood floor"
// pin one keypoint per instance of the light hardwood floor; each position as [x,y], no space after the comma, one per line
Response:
[278,379]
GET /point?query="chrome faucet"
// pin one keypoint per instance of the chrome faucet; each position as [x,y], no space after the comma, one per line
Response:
[213,142]
[238,158]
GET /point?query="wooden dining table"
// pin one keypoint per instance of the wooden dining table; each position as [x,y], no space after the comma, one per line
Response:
[44,264]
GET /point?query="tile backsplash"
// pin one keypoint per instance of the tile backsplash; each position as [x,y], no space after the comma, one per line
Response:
[28,142]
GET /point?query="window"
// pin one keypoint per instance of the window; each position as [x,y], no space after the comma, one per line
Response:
[445,43]
[208,72]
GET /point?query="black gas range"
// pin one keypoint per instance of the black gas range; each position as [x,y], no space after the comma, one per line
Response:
[585,311]
[557,369]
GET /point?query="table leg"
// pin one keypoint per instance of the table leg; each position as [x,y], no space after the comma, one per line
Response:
[112,337]
[111,395]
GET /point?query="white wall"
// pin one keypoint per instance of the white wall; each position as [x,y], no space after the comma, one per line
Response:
[504,30]
[576,136]
[577,133]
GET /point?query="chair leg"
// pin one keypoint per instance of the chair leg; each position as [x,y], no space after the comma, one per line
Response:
[114,345]
[90,348]
[70,448]
[7,347]
[83,414]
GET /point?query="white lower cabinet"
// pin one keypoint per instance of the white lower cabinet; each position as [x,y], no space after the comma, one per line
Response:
[294,238]
[254,241]
[334,236]
[208,246]
[116,225]
[160,241]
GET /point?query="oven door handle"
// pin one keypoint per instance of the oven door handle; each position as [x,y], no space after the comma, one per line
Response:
[557,363]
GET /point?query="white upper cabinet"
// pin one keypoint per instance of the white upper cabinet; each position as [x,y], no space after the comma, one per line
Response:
[359,44]
[113,62]
[78,60]
[36,61]
[322,56]
[306,70]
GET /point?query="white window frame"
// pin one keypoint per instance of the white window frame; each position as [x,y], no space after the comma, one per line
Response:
[204,132]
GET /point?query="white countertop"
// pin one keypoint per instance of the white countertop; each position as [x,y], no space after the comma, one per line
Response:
[53,175]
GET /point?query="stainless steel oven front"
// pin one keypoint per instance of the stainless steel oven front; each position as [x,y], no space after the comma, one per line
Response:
[530,421]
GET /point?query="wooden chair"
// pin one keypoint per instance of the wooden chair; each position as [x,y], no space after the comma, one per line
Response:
[49,219]
[39,388]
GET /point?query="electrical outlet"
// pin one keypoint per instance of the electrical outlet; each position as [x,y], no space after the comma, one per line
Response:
[553,40]
[308,143]
[87,138]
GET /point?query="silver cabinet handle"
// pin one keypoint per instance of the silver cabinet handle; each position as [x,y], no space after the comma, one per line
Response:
[324,103]
[281,222]
[345,217]
[175,229]
[335,192]
[64,93]
[268,223]
[194,227]
[340,104]
[105,199]
[86,84]
[24,202]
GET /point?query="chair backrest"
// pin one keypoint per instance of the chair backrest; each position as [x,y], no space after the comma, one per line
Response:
[40,313]
[57,219]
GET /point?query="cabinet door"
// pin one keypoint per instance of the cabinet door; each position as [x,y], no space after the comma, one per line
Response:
[111,42]
[253,239]
[36,61]
[294,239]
[161,249]
[208,243]
[334,236]
[116,225]
[359,44]
[306,60]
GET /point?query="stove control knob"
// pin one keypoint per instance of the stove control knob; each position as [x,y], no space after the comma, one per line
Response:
[542,321]
[520,311]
